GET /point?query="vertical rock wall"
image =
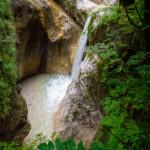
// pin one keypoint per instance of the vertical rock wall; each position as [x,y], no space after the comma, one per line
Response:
[48,37]
[78,116]
[79,9]
[15,127]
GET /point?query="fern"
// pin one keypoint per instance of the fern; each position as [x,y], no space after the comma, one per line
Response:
[59,145]
[124,72]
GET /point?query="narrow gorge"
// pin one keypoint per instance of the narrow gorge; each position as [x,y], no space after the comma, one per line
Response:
[74,75]
[50,50]
[43,93]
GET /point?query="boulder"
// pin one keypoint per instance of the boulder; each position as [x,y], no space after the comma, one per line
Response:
[15,127]
[78,116]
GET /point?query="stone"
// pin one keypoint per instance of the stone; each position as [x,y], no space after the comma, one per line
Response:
[81,8]
[78,117]
[15,127]
[48,37]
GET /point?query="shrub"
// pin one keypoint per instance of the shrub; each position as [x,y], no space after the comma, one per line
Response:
[124,71]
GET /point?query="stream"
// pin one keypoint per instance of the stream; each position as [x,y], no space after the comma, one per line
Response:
[43,94]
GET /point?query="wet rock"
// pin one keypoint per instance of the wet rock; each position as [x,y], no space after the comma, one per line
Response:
[48,37]
[78,117]
[79,9]
[15,127]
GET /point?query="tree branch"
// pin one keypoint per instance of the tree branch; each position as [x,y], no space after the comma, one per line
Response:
[141,19]
[130,20]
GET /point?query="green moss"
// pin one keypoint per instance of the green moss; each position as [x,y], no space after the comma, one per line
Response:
[69,4]
[7,57]
[75,114]
[114,17]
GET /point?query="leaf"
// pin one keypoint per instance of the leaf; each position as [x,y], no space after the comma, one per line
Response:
[120,146]
[42,146]
[80,146]
[95,146]
[70,144]
[59,145]
[51,146]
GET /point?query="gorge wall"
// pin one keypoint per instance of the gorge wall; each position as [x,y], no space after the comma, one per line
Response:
[106,104]
[78,116]
[15,127]
[79,9]
[48,33]
[48,37]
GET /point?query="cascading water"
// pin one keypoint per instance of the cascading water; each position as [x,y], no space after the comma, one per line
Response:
[44,92]
[81,48]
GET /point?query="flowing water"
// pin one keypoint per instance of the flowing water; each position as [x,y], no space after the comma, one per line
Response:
[43,94]
[81,48]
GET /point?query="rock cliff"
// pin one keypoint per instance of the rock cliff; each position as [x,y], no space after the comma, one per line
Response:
[48,40]
[15,127]
[79,9]
[78,116]
[48,37]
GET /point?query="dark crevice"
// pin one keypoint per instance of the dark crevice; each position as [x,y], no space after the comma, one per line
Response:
[44,52]
[59,48]
[36,31]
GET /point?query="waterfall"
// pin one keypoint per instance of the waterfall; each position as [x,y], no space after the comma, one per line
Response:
[43,93]
[81,48]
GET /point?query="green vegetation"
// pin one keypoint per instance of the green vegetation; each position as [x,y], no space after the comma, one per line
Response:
[7,57]
[126,106]
[57,145]
[124,72]
[69,4]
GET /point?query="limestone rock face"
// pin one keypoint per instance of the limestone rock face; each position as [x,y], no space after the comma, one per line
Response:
[48,37]
[106,2]
[79,9]
[78,117]
[15,127]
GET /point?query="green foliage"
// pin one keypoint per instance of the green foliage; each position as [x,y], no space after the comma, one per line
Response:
[7,57]
[116,16]
[124,72]
[15,146]
[11,146]
[59,145]
[69,4]
[127,103]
